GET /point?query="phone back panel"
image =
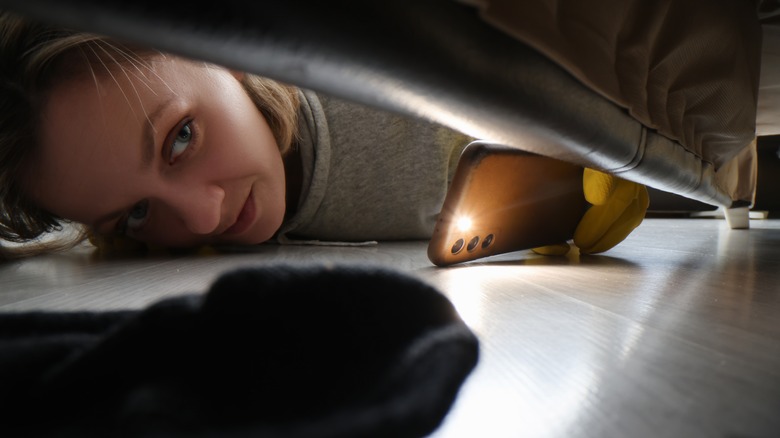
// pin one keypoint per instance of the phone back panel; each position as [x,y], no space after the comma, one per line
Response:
[503,199]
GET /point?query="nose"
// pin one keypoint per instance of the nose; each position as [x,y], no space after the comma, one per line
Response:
[199,208]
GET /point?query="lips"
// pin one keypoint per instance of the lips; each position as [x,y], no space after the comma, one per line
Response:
[245,218]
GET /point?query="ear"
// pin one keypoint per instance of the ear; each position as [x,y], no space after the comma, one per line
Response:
[239,75]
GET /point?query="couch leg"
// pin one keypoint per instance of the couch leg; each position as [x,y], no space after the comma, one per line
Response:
[737,218]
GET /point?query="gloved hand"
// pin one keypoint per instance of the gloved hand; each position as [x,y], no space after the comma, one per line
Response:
[618,207]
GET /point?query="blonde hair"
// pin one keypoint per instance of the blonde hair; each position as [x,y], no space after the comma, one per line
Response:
[35,57]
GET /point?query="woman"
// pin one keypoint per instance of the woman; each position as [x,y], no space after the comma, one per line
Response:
[131,142]
[164,150]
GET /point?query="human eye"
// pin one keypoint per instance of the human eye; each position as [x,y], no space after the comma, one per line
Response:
[136,217]
[183,136]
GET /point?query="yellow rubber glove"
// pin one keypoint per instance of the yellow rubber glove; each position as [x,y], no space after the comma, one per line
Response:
[618,207]
[557,249]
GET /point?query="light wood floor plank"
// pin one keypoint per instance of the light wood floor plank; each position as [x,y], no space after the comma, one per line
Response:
[675,332]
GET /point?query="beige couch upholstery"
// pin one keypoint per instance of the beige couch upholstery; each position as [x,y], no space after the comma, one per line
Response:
[688,70]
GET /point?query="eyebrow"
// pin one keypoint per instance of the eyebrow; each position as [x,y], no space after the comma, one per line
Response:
[149,131]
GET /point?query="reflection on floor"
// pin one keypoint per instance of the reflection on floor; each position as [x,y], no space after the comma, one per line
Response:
[675,332]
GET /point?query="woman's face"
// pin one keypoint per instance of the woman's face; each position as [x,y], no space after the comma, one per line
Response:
[176,155]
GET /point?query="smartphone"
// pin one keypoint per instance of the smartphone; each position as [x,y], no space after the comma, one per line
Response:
[503,199]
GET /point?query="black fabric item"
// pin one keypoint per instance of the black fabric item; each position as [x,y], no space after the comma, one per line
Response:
[268,352]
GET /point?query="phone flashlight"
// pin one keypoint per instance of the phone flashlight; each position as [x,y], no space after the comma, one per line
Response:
[464,223]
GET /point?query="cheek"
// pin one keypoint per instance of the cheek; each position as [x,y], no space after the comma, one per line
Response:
[244,141]
[234,159]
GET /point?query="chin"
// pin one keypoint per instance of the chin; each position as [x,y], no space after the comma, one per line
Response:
[256,240]
[261,233]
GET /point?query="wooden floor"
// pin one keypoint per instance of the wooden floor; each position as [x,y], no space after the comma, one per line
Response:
[674,333]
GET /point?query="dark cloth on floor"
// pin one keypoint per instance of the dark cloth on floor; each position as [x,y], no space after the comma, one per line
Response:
[268,352]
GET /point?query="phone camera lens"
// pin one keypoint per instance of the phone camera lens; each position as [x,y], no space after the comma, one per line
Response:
[487,241]
[473,243]
[457,246]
